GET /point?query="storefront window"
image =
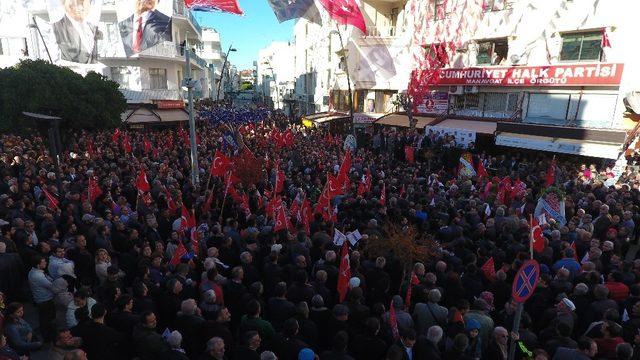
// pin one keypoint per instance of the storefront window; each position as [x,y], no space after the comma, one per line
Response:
[581,46]
[466,102]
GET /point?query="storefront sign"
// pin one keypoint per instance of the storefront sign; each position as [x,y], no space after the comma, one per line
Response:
[597,74]
[607,151]
[363,118]
[435,102]
[463,138]
[170,104]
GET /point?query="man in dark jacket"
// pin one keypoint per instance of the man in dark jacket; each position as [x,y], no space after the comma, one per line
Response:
[369,345]
[149,344]
[249,349]
[190,324]
[99,340]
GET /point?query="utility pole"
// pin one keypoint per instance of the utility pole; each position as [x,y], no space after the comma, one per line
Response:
[189,83]
[224,66]
[343,57]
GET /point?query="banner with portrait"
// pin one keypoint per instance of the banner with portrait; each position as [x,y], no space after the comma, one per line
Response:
[81,31]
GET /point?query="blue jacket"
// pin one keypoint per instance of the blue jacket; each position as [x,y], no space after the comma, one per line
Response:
[16,333]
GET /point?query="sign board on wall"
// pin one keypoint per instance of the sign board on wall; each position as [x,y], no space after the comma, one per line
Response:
[607,151]
[170,104]
[364,118]
[596,74]
[463,137]
[434,102]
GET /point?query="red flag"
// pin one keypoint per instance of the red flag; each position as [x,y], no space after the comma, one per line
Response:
[187,219]
[334,185]
[53,202]
[282,222]
[343,173]
[409,153]
[94,190]
[126,144]
[142,183]
[550,179]
[178,254]
[402,191]
[481,171]
[393,321]
[146,145]
[383,195]
[489,269]
[194,241]
[345,12]
[605,43]
[170,203]
[230,6]
[90,149]
[279,182]
[365,184]
[537,239]
[288,137]
[414,281]
[220,164]
[305,214]
[344,273]
[575,251]
[115,136]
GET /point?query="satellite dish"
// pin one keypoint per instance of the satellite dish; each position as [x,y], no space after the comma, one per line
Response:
[515,59]
[632,100]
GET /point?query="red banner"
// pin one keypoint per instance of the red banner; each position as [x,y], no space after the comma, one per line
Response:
[170,104]
[597,74]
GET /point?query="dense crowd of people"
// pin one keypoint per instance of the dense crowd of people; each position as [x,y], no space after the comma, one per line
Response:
[108,267]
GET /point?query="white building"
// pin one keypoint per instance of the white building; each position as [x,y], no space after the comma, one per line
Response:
[520,69]
[275,72]
[152,76]
[378,61]
[211,52]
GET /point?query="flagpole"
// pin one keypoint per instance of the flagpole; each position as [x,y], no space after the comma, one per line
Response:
[224,198]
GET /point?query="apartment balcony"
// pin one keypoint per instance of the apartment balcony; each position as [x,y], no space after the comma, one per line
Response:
[165,50]
[183,16]
[384,31]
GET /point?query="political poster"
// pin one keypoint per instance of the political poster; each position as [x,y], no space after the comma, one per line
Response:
[435,102]
[74,25]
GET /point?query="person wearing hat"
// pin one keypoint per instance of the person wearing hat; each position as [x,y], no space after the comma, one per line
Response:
[474,349]
[479,312]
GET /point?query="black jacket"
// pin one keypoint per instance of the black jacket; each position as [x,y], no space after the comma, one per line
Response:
[100,341]
[149,344]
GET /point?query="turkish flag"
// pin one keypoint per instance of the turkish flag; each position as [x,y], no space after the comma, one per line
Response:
[53,202]
[187,219]
[170,203]
[335,187]
[220,164]
[365,183]
[142,183]
[393,322]
[279,186]
[414,281]
[305,215]
[195,244]
[146,144]
[344,274]
[90,150]
[489,269]
[383,195]
[537,239]
[288,138]
[282,222]
[345,12]
[126,144]
[178,254]
[409,153]
[93,189]
[481,171]
[115,136]
[230,6]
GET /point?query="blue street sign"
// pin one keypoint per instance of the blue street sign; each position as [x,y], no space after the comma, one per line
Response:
[526,281]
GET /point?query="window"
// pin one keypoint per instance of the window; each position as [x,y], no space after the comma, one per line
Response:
[13,46]
[120,74]
[492,52]
[438,9]
[500,102]
[466,102]
[157,78]
[581,46]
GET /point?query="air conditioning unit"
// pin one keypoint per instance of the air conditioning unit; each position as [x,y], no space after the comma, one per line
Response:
[456,90]
[470,89]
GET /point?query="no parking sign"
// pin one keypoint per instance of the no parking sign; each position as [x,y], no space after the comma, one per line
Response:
[526,281]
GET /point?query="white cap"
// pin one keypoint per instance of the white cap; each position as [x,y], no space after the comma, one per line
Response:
[568,303]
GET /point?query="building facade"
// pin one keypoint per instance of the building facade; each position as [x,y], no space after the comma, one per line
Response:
[275,73]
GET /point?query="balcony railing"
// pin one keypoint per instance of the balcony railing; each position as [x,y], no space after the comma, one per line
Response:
[180,9]
[172,50]
[384,31]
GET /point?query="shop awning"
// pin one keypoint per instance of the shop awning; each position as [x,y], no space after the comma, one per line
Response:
[599,149]
[171,115]
[480,127]
[142,116]
[322,118]
[402,120]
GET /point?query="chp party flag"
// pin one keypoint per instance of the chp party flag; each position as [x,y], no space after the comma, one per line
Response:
[290,9]
[489,269]
[53,202]
[345,12]
[230,6]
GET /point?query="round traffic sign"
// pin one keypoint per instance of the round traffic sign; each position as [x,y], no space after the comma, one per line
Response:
[526,281]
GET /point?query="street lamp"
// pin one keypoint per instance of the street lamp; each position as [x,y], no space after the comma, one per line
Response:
[343,57]
[224,65]
[189,84]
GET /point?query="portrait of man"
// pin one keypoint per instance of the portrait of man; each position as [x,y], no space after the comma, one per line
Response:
[145,28]
[76,37]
